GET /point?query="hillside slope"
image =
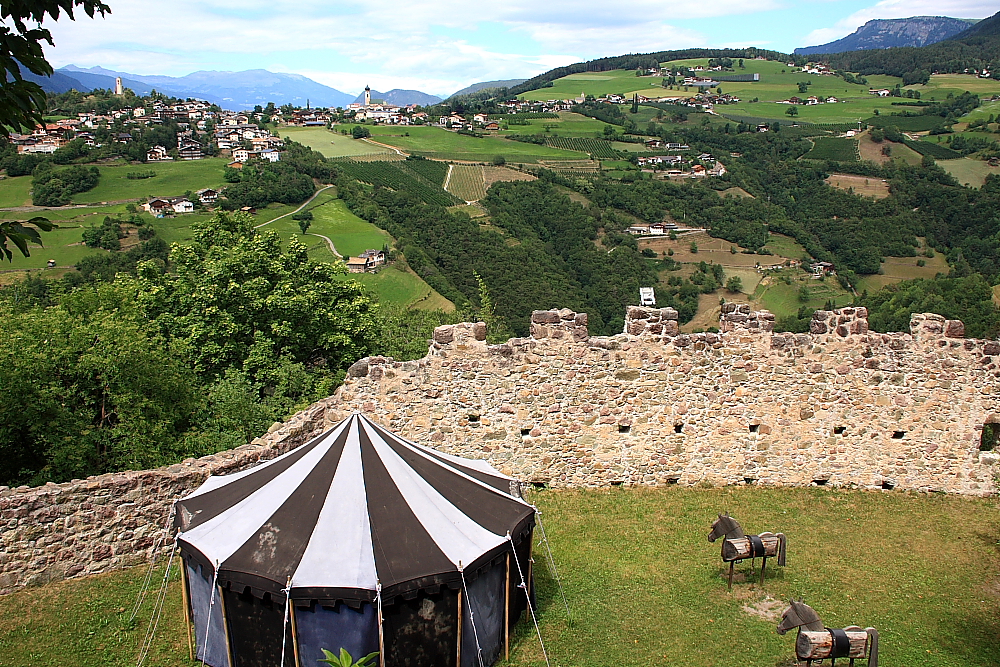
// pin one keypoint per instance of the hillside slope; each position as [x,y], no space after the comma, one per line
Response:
[888,33]
[975,49]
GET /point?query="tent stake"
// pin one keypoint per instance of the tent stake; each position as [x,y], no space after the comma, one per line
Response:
[187,607]
[458,656]
[506,614]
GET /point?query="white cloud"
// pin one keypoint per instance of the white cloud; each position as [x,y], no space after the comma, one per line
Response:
[901,9]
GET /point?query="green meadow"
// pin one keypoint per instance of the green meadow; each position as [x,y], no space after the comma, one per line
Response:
[645,587]
[15,191]
[330,144]
[441,144]
[172,179]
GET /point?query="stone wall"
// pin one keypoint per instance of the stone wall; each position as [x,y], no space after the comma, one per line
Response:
[840,406]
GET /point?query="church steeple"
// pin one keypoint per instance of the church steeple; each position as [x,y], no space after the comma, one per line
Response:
[368,96]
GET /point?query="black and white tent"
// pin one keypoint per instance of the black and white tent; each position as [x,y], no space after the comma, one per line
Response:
[357,539]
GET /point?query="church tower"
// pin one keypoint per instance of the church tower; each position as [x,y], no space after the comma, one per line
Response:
[118,86]
[368,96]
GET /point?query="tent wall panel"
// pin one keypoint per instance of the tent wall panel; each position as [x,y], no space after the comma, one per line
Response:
[518,599]
[332,628]
[255,629]
[422,632]
[200,594]
[486,593]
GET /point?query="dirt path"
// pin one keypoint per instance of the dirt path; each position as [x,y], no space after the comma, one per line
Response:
[26,209]
[307,202]
[392,148]
[333,248]
[447,179]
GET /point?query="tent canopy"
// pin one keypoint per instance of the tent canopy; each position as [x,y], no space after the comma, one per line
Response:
[351,510]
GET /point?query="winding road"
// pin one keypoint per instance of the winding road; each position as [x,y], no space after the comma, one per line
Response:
[333,248]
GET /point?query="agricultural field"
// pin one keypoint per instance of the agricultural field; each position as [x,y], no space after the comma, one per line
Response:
[502,174]
[401,286]
[938,151]
[860,185]
[441,144]
[15,191]
[330,144]
[896,269]
[599,149]
[928,584]
[397,176]
[172,179]
[566,124]
[872,151]
[833,148]
[782,294]
[432,170]
[598,84]
[467,182]
[969,171]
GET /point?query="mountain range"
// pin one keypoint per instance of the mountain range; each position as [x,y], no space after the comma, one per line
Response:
[401,98]
[889,33]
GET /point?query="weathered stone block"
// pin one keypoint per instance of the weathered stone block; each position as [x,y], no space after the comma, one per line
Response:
[954,329]
[444,334]
[479,331]
[817,326]
[545,317]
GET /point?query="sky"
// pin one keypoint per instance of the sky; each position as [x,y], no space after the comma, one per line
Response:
[440,46]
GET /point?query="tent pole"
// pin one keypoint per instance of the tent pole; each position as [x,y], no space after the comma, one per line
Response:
[381,636]
[187,607]
[225,628]
[295,634]
[458,658]
[506,613]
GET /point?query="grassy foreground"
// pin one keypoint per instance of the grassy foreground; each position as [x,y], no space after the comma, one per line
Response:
[644,586]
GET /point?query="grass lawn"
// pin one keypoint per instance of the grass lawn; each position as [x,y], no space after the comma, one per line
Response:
[567,125]
[969,171]
[775,295]
[172,179]
[897,269]
[14,191]
[860,185]
[401,286]
[644,585]
[996,295]
[330,144]
[441,144]
[598,84]
[350,234]
[784,247]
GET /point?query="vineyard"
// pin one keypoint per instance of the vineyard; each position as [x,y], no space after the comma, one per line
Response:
[397,176]
[433,170]
[597,148]
[834,148]
[467,182]
[540,115]
[907,123]
[936,151]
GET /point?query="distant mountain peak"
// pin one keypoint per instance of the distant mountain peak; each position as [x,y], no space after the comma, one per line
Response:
[889,33]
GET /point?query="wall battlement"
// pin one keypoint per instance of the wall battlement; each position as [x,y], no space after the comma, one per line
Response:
[839,406]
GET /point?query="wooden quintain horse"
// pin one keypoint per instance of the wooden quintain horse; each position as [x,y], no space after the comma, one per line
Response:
[816,642]
[738,546]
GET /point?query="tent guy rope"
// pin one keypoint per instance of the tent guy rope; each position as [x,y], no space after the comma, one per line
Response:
[472,615]
[527,595]
[552,562]
[211,605]
[157,612]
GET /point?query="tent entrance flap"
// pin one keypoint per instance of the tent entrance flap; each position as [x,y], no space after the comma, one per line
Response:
[423,631]
[335,627]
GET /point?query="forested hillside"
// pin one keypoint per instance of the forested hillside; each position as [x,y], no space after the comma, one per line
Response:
[975,49]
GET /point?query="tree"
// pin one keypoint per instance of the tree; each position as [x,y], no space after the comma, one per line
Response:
[734,284]
[694,247]
[360,132]
[304,225]
[22,102]
[792,111]
[21,234]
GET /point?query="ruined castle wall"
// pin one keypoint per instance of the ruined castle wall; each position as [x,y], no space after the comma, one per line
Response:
[840,406]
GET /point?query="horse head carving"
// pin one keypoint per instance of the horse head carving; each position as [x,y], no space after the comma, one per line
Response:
[799,614]
[725,526]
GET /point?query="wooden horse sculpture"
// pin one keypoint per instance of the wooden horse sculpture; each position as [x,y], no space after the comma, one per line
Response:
[816,642]
[738,546]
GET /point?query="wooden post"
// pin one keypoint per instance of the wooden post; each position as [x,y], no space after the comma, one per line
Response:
[187,608]
[506,612]
[295,633]
[225,628]
[381,638]
[458,653]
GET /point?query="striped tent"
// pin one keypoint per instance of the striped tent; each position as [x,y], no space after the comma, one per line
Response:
[357,539]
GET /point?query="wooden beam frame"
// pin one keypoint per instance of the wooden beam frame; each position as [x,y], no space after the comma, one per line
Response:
[295,633]
[185,597]
[506,612]
[461,613]
[225,628]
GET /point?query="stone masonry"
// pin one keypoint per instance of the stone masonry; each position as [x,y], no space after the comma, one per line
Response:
[840,406]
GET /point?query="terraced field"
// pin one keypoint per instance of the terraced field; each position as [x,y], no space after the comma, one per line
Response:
[467,182]
[834,148]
